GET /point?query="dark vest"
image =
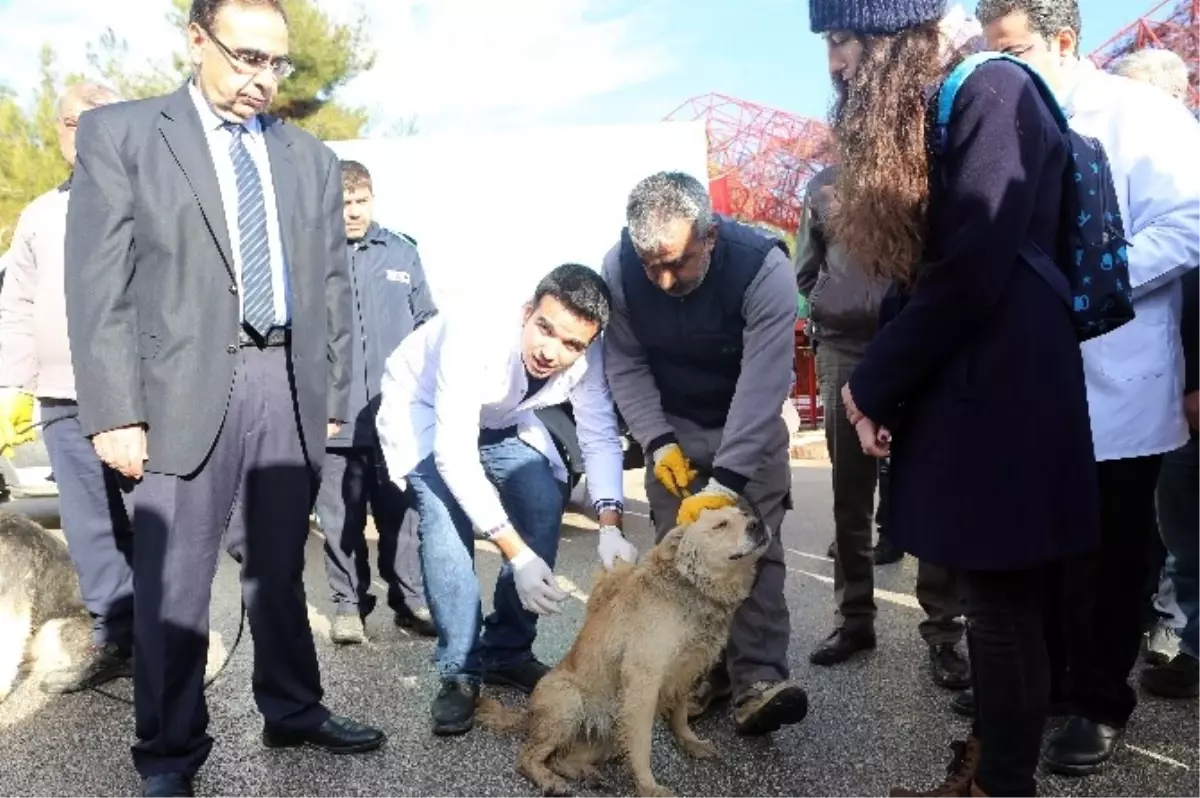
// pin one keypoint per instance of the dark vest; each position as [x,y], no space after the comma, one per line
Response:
[694,343]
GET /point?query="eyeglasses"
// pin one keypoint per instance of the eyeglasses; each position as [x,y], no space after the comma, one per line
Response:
[255,61]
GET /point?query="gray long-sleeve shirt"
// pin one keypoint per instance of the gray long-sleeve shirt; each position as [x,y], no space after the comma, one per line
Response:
[769,310]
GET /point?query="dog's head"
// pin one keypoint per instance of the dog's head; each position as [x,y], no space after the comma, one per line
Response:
[718,553]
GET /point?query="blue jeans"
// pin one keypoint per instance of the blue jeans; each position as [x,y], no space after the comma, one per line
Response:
[1179,524]
[467,644]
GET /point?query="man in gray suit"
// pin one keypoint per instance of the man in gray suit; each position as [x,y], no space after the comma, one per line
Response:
[209,318]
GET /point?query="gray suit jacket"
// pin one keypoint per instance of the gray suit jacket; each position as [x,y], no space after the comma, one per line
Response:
[152,305]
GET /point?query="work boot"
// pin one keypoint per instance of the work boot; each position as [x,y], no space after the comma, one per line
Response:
[347,630]
[1179,678]
[101,664]
[524,676]
[453,710]
[948,667]
[767,706]
[419,622]
[885,553]
[707,695]
[960,773]
[1161,644]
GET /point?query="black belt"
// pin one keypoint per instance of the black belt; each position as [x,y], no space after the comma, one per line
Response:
[276,336]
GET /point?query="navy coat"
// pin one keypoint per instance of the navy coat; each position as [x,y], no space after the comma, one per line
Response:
[976,369]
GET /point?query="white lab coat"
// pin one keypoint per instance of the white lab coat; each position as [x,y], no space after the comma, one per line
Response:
[452,377]
[1135,373]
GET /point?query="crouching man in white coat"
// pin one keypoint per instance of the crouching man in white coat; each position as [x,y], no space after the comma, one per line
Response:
[457,422]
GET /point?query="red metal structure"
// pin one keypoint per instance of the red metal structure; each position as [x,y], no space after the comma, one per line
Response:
[759,158]
[1170,25]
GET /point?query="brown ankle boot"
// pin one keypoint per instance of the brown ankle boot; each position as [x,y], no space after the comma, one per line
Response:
[960,774]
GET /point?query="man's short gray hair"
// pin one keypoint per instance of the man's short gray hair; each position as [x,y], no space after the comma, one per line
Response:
[92,95]
[1161,68]
[661,199]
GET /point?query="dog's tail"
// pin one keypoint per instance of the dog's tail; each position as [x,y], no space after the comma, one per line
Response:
[493,715]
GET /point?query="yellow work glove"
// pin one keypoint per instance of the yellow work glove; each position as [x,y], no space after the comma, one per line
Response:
[673,470]
[16,420]
[713,497]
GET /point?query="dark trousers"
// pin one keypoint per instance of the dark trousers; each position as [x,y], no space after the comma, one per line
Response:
[94,521]
[1104,594]
[1010,669]
[352,480]
[258,465]
[1179,520]
[855,476]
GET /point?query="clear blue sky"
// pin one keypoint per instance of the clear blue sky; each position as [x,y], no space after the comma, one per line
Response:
[766,54]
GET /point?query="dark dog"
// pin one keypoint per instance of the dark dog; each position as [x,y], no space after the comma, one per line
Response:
[44,626]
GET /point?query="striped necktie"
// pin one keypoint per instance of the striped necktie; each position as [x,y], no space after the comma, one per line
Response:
[258,298]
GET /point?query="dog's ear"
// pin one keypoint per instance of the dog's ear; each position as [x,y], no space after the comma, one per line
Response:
[668,547]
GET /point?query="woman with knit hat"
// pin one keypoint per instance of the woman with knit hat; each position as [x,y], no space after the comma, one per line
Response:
[974,384]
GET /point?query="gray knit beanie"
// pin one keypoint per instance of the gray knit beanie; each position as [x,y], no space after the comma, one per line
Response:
[872,16]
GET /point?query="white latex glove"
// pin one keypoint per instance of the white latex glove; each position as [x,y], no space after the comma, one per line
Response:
[536,587]
[612,545]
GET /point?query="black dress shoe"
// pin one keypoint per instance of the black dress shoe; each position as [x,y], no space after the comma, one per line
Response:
[1081,747]
[453,710]
[337,735]
[524,675]
[1179,678]
[948,667]
[101,663]
[964,704]
[841,645]
[166,785]
[419,622]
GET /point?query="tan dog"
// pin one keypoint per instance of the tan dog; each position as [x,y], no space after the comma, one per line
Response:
[651,631]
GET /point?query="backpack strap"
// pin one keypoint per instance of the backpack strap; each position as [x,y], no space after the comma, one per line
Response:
[959,75]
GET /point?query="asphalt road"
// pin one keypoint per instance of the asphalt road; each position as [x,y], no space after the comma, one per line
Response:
[873,723]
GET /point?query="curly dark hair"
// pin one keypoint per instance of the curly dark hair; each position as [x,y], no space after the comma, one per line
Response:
[879,131]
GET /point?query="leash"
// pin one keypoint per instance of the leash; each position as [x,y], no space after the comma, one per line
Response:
[208,682]
[237,639]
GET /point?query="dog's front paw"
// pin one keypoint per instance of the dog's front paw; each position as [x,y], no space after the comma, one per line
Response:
[656,790]
[701,749]
[556,787]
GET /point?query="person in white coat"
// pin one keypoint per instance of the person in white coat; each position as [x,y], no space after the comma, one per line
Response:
[1134,374]
[457,422]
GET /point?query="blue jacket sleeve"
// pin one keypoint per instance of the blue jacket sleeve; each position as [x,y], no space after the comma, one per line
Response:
[1001,133]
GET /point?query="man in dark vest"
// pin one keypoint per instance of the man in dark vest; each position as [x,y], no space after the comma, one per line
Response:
[699,356]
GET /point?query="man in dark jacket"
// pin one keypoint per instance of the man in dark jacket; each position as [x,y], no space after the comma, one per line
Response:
[1179,517]
[391,299]
[844,306]
[699,359]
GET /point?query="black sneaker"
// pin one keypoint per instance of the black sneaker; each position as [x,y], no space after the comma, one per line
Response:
[419,622]
[453,710]
[101,664]
[948,667]
[1179,678]
[524,675]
